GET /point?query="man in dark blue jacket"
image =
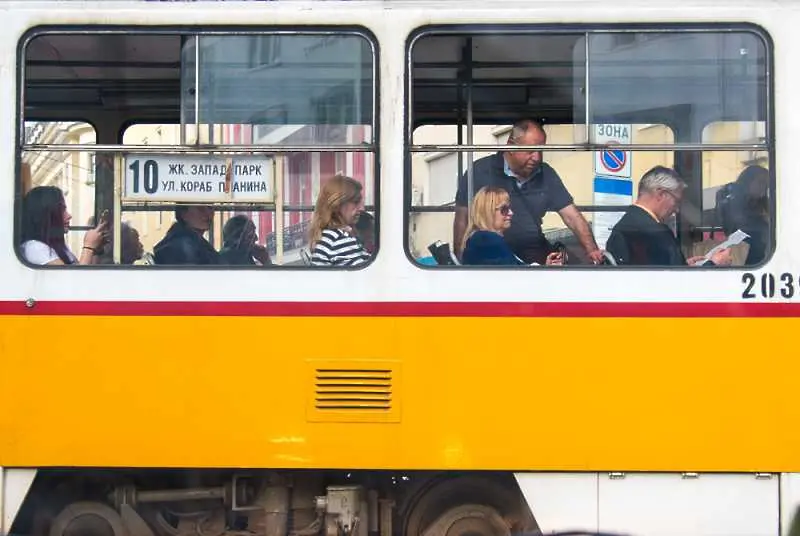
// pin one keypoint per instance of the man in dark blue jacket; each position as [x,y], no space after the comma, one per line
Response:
[184,243]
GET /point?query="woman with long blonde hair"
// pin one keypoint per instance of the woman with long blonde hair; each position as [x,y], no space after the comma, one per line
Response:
[331,238]
[489,217]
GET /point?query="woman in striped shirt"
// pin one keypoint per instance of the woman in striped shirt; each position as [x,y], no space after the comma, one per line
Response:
[331,239]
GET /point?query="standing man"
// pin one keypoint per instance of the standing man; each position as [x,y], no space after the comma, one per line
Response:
[534,188]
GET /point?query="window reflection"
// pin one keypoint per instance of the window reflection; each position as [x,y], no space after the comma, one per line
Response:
[687,79]
[282,83]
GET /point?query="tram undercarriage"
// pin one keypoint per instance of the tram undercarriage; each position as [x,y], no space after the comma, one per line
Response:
[274,503]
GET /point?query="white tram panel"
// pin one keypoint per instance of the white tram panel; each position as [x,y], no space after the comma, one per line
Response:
[656,504]
[391,277]
[14,487]
[703,504]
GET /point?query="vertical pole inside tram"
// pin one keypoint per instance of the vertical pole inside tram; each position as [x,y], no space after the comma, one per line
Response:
[460,126]
[467,57]
[116,221]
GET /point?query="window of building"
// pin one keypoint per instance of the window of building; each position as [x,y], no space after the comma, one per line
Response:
[247,126]
[694,100]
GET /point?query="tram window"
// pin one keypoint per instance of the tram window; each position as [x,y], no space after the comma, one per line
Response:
[296,108]
[692,100]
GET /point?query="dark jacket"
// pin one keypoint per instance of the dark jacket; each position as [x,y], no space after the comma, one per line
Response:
[236,256]
[639,240]
[737,210]
[183,245]
[757,226]
[488,248]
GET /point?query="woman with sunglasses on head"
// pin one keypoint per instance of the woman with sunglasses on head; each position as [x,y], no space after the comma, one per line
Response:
[331,238]
[489,217]
[45,221]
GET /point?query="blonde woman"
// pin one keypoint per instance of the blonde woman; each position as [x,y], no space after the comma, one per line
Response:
[331,239]
[489,217]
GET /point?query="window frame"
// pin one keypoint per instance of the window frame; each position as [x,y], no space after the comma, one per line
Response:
[479,29]
[118,148]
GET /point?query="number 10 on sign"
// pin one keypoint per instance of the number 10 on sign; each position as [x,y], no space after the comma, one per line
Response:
[149,172]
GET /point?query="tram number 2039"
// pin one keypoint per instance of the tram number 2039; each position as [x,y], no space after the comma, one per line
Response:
[768,285]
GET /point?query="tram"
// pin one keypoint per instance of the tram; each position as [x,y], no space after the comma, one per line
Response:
[402,397]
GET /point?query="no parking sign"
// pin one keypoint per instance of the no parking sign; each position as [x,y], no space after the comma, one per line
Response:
[613,162]
[612,183]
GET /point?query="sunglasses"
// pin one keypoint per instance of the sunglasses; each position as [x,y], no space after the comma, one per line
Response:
[504,209]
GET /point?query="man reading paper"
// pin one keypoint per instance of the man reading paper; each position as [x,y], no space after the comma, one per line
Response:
[641,238]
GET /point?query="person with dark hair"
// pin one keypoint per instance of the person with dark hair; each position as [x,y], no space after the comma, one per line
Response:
[364,229]
[239,243]
[132,248]
[45,221]
[744,204]
[535,189]
[184,243]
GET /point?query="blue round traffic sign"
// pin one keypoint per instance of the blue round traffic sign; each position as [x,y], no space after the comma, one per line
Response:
[614,160]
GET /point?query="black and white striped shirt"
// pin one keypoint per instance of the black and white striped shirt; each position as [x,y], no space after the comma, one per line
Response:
[336,247]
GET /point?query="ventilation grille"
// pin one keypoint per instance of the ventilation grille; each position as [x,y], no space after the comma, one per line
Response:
[360,393]
[354,389]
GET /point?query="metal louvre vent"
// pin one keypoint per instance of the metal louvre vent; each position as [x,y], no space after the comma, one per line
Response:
[353,389]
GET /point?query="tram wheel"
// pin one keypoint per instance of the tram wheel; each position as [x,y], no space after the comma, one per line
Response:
[469,520]
[87,519]
[470,505]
